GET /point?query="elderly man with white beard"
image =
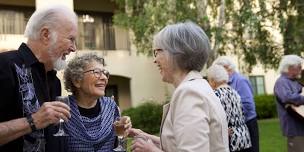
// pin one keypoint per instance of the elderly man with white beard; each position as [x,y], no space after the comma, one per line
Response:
[29,84]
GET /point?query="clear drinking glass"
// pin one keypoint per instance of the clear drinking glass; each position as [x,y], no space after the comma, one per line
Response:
[119,127]
[61,132]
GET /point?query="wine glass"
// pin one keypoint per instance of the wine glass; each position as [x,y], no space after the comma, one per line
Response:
[61,132]
[119,127]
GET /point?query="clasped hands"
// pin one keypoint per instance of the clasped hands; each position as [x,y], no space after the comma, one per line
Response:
[141,141]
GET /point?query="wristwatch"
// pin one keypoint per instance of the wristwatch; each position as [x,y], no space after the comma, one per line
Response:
[30,120]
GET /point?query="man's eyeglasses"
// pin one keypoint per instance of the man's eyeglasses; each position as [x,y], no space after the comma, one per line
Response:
[156,51]
[98,72]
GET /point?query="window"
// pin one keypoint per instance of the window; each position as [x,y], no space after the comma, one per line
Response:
[13,21]
[258,84]
[96,31]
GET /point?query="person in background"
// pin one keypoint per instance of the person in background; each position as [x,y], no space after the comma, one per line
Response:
[244,89]
[194,119]
[29,84]
[239,138]
[287,90]
[92,114]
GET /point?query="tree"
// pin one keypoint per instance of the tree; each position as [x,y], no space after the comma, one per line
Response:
[146,17]
[291,15]
[245,27]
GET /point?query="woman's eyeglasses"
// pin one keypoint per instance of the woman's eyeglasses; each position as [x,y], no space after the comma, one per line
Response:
[98,72]
[156,51]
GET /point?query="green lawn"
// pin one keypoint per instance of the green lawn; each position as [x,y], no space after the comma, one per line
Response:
[271,139]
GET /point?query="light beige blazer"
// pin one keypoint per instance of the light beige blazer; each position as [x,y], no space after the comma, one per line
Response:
[194,120]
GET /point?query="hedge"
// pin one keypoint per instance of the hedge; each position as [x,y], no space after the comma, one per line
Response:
[265,106]
[147,116]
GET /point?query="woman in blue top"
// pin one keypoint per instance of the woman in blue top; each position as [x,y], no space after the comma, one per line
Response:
[92,115]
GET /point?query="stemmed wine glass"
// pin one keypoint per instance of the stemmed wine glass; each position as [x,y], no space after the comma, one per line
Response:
[61,132]
[119,127]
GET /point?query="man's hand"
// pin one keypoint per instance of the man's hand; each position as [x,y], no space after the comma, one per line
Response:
[50,113]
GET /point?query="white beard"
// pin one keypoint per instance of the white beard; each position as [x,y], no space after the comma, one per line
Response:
[59,64]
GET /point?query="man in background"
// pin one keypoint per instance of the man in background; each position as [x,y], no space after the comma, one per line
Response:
[287,90]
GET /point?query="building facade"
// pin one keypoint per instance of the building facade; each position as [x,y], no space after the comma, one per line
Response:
[134,78]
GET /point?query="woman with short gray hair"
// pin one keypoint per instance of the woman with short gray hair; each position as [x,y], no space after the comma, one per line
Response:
[194,120]
[187,44]
[239,138]
[77,67]
[92,114]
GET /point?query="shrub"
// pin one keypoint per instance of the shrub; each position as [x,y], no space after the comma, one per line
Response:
[265,106]
[146,116]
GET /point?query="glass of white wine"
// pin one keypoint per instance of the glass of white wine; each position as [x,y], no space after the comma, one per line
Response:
[120,130]
[61,132]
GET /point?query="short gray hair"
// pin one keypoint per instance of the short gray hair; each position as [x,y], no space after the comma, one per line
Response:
[76,67]
[217,73]
[187,44]
[288,61]
[226,62]
[51,17]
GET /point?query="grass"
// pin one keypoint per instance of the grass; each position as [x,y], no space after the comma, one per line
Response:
[271,139]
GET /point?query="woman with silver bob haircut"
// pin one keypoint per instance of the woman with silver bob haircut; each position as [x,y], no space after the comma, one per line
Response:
[187,44]
[194,119]
[92,114]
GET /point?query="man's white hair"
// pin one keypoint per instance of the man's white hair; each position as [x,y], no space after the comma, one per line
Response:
[288,61]
[226,62]
[50,17]
[217,73]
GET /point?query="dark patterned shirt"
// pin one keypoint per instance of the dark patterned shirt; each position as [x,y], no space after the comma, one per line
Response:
[36,87]
[240,138]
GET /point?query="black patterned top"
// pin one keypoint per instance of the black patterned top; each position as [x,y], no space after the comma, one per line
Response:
[239,138]
[24,87]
